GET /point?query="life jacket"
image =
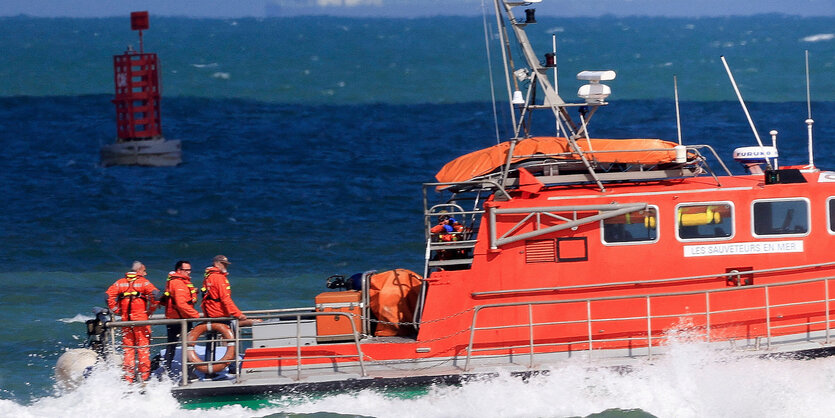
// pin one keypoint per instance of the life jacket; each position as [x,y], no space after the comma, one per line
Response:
[126,298]
[204,292]
[217,295]
[167,294]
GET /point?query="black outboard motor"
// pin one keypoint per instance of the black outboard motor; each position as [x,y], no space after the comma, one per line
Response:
[338,281]
[96,329]
[77,363]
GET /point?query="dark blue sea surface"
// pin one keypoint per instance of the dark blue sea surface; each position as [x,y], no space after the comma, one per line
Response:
[291,193]
[333,60]
[305,143]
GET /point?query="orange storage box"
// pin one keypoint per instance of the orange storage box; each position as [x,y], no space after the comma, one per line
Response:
[338,327]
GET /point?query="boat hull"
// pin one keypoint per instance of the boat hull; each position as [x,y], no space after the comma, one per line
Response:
[157,152]
[415,374]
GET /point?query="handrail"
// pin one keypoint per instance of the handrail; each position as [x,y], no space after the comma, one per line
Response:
[483,183]
[530,325]
[296,314]
[648,282]
[604,212]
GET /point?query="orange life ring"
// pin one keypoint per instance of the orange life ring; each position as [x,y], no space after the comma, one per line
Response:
[229,343]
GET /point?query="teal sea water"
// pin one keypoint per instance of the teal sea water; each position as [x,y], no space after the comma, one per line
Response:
[305,144]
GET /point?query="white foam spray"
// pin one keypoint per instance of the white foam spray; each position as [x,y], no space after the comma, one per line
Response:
[77,318]
[690,380]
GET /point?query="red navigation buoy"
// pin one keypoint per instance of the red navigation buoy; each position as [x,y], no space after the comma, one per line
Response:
[139,139]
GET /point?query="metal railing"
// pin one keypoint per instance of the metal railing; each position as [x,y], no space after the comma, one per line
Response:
[651,337]
[354,337]
[291,315]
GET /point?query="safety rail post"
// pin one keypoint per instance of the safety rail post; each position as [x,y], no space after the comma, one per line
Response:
[113,339]
[588,321]
[767,319]
[472,336]
[649,330]
[707,314]
[530,330]
[826,306]
[183,352]
[360,355]
[237,362]
[491,226]
[299,347]
[426,257]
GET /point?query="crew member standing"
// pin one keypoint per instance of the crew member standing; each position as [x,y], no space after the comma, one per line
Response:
[217,293]
[132,297]
[179,299]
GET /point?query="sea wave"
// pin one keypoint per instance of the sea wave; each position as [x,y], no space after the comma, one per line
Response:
[692,379]
[96,395]
[77,318]
[819,37]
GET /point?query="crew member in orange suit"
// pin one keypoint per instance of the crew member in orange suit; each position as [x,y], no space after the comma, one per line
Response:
[444,228]
[179,299]
[217,293]
[132,297]
[217,298]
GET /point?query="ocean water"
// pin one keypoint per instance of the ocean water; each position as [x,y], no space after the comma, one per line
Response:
[305,143]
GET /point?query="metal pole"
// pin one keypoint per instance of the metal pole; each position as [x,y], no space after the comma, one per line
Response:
[649,330]
[506,58]
[744,108]
[357,342]
[530,331]
[298,347]
[556,81]
[490,71]
[707,314]
[588,322]
[491,216]
[236,364]
[678,113]
[183,352]
[826,306]
[767,319]
[809,120]
[472,337]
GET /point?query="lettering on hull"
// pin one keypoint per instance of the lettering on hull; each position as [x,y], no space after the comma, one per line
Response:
[741,248]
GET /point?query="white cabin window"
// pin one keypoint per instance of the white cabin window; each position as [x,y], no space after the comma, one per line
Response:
[830,214]
[705,221]
[781,217]
[635,227]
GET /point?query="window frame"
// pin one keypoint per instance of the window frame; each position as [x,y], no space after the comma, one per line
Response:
[615,244]
[783,199]
[829,225]
[709,203]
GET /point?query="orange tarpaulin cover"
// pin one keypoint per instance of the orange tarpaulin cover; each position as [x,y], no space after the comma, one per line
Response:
[392,297]
[486,160]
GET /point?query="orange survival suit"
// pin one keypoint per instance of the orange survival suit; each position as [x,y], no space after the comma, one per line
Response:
[217,295]
[132,297]
[180,297]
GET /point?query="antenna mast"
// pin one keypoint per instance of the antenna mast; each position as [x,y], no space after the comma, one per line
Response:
[809,120]
[744,108]
[678,113]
